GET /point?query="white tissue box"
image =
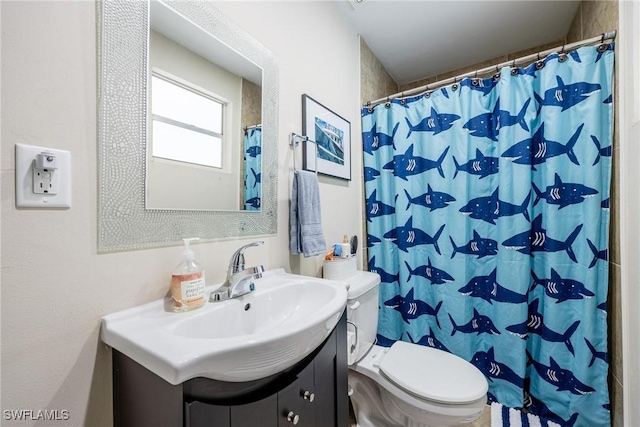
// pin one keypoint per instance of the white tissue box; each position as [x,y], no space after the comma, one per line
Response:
[339,268]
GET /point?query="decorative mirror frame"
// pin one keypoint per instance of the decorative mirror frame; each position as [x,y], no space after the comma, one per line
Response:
[123,222]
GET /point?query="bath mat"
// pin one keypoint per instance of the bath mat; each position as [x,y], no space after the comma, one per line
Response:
[502,416]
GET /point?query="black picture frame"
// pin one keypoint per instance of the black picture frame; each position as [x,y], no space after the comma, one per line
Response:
[327,149]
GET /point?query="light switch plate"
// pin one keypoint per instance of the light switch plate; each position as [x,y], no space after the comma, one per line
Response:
[25,161]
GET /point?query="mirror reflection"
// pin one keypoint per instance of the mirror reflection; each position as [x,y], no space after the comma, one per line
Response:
[252,194]
[204,136]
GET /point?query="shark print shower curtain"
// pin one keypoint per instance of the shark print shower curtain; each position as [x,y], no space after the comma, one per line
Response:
[252,169]
[487,219]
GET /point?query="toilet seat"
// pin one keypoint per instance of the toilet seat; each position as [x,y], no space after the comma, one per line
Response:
[369,366]
[404,406]
[432,374]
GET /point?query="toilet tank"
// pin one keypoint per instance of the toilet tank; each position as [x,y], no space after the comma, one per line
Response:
[362,313]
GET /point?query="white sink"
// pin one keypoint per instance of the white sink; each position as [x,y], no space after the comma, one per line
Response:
[241,339]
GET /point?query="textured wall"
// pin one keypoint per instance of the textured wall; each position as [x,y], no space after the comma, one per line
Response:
[251,104]
[55,287]
[375,82]
[480,65]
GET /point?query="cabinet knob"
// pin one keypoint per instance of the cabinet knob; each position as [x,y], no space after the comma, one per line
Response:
[293,418]
[307,395]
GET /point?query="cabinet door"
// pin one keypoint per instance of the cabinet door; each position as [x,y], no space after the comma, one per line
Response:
[261,413]
[324,405]
[295,402]
[199,414]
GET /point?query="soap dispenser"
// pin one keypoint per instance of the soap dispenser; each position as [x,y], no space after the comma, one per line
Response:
[187,283]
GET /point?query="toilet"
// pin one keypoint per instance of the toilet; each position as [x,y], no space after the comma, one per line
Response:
[405,385]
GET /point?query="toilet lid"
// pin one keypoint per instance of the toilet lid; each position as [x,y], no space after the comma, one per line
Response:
[433,374]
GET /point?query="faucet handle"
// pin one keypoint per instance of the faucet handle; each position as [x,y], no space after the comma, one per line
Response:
[237,263]
[218,296]
[256,271]
[241,283]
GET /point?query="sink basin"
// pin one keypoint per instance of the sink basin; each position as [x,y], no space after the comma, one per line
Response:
[242,339]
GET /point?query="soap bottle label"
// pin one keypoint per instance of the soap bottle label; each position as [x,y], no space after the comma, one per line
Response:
[188,289]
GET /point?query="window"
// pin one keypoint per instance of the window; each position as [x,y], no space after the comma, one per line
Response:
[187,123]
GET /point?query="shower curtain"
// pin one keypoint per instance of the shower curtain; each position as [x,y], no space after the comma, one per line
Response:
[487,219]
[252,168]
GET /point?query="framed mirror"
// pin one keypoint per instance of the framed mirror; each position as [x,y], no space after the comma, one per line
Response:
[131,211]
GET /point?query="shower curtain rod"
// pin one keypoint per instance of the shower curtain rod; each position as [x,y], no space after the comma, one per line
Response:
[246,128]
[610,35]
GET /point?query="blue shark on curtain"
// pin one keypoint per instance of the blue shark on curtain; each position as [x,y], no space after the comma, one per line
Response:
[252,168]
[488,219]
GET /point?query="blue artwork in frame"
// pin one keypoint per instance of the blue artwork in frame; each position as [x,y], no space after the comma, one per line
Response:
[328,146]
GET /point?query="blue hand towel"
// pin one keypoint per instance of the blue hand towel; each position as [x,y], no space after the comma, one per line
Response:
[306,234]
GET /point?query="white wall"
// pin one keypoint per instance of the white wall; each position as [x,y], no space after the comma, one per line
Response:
[55,287]
[628,63]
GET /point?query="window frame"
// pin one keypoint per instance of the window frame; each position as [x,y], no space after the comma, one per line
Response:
[225,137]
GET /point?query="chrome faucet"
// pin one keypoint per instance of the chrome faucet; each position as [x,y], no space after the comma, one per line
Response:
[240,280]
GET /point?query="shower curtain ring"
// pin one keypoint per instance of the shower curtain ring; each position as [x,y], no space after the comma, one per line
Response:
[602,46]
[474,80]
[369,107]
[562,56]
[514,70]
[454,87]
[539,63]
[387,104]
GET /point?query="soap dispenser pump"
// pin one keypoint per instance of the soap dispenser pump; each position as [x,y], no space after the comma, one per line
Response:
[187,283]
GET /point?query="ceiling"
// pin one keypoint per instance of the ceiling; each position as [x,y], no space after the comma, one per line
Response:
[421,38]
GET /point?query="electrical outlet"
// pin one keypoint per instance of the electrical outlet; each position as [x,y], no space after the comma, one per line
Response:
[43,177]
[45,181]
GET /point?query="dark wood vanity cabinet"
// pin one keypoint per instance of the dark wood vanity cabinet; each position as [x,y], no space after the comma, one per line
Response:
[312,393]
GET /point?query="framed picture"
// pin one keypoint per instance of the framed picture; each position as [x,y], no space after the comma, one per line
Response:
[328,146]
